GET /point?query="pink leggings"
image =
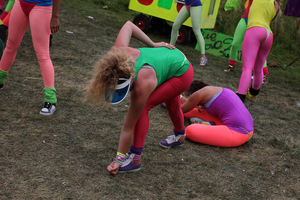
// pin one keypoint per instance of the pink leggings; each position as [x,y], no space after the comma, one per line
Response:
[256,47]
[39,21]
[168,92]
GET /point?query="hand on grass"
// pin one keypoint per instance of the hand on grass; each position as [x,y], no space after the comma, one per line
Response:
[113,168]
[164,44]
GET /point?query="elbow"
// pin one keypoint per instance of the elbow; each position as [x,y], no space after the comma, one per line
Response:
[128,23]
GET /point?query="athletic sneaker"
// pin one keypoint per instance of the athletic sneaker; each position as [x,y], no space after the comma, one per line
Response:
[203,61]
[172,141]
[132,163]
[48,109]
[196,120]
[229,69]
[251,97]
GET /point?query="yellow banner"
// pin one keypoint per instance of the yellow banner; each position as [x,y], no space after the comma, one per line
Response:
[168,10]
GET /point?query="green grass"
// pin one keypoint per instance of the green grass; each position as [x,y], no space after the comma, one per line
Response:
[64,156]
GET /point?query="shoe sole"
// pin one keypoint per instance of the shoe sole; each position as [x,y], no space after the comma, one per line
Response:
[225,70]
[168,147]
[134,170]
[42,113]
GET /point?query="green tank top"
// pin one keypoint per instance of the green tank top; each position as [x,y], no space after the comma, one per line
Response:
[167,63]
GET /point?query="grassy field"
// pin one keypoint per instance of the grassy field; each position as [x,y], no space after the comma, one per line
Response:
[64,156]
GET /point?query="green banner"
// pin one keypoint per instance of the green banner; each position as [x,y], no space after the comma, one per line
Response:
[218,44]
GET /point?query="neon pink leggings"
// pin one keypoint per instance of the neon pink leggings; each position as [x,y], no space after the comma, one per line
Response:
[39,21]
[256,47]
[217,135]
[169,92]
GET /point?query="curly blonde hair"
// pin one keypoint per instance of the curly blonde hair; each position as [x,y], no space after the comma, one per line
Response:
[107,71]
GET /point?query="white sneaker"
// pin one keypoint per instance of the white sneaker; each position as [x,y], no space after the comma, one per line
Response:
[48,109]
[132,163]
[203,61]
[172,141]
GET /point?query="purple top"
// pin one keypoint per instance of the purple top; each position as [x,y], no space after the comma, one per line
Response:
[193,3]
[292,8]
[228,107]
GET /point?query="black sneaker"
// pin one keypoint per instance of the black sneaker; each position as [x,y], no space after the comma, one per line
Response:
[48,109]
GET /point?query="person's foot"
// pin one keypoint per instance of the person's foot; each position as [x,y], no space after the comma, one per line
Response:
[196,120]
[132,163]
[251,96]
[203,61]
[48,109]
[266,78]
[1,86]
[230,68]
[172,141]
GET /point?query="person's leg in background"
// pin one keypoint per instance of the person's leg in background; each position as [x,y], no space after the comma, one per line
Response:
[196,13]
[249,53]
[40,17]
[237,41]
[262,55]
[182,16]
[17,28]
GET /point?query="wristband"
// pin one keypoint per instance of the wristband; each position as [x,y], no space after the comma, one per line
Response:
[120,156]
[120,162]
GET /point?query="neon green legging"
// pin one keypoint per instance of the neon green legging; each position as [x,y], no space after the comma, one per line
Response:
[195,14]
[238,38]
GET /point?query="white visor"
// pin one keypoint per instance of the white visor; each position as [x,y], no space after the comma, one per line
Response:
[121,92]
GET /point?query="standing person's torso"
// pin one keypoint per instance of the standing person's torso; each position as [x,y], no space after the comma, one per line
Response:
[261,14]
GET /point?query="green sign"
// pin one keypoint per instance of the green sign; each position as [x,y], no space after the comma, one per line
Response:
[218,44]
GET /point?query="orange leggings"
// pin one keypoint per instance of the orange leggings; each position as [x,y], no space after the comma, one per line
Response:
[217,135]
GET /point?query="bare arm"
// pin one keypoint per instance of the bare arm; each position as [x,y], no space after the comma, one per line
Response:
[190,103]
[54,23]
[277,8]
[144,86]
[129,30]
